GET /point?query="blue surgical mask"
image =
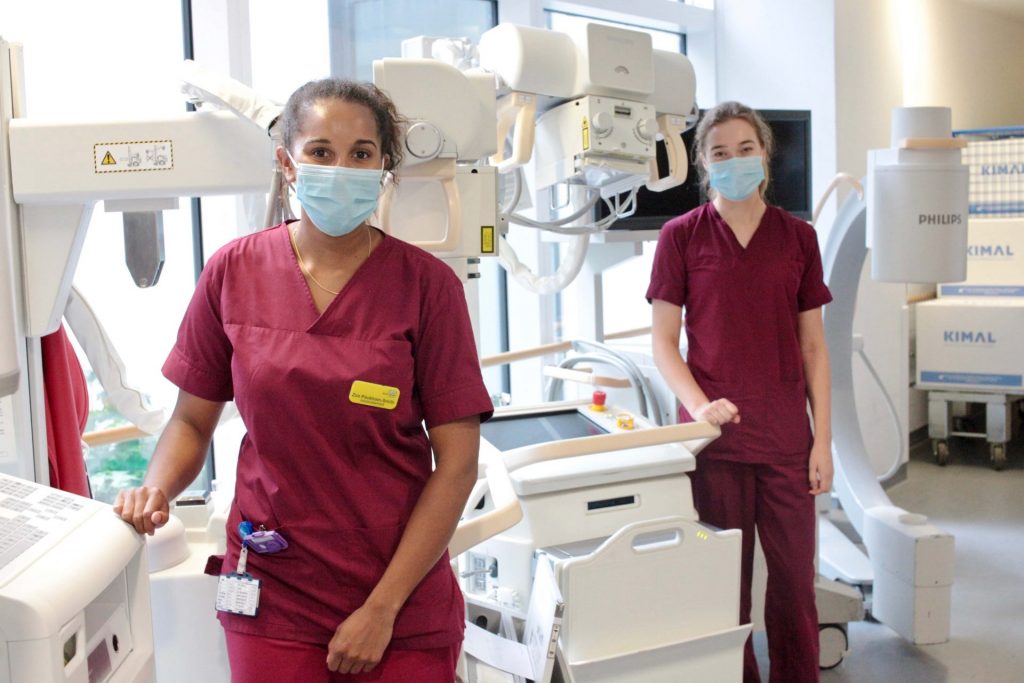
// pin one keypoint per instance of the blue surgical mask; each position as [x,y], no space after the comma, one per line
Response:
[736,178]
[337,199]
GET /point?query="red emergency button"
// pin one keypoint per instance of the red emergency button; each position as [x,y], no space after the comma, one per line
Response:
[597,401]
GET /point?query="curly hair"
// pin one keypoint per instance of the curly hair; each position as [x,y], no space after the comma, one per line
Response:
[389,121]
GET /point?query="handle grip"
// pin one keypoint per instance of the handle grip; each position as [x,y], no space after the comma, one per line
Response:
[671,127]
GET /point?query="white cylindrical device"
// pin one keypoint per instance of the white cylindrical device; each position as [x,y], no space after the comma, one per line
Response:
[920,122]
[917,201]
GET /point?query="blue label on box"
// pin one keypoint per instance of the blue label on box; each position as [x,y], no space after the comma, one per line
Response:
[975,378]
[995,208]
[981,290]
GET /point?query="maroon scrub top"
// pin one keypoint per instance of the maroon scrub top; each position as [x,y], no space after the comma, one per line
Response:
[742,307]
[338,478]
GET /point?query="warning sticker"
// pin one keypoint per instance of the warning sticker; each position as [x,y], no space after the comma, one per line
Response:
[134,156]
[486,239]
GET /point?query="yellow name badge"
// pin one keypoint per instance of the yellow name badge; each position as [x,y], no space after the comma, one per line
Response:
[375,395]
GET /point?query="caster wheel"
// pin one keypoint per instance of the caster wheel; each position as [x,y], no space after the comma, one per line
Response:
[940,448]
[833,645]
[997,454]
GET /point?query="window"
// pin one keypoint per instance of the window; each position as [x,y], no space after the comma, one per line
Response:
[365,30]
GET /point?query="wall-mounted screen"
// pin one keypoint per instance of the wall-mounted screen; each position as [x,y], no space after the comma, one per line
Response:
[790,169]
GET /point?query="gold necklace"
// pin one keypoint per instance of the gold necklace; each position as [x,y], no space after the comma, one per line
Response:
[309,273]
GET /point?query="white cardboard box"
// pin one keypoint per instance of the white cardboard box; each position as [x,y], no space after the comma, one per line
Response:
[995,259]
[996,170]
[971,343]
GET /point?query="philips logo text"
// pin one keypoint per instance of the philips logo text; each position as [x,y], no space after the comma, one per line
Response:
[968,337]
[1002,169]
[939,219]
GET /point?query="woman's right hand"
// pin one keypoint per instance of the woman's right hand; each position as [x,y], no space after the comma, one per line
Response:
[144,507]
[718,412]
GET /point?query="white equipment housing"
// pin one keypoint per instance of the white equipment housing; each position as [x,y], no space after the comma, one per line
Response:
[650,593]
[457,110]
[911,560]
[608,86]
[657,601]
[450,125]
[575,498]
[917,189]
[597,60]
[598,140]
[203,153]
[74,591]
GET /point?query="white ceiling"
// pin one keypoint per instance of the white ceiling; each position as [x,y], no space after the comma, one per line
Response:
[1009,8]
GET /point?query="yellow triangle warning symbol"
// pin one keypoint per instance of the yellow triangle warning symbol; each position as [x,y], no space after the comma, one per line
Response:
[108,160]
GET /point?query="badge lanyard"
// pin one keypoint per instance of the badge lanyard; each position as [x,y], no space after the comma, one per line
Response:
[239,592]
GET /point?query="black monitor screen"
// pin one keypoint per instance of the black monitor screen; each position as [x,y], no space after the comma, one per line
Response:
[790,170]
[506,433]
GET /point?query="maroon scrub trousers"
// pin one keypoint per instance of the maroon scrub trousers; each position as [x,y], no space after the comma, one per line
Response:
[335,455]
[742,307]
[269,660]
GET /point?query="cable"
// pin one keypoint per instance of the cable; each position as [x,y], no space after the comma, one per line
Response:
[891,472]
[840,178]
[614,361]
[567,271]
[636,375]
[616,207]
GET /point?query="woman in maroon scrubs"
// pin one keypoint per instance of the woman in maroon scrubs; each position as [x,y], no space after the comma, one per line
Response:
[749,277]
[338,343]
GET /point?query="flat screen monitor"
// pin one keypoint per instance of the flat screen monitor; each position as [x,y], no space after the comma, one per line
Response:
[514,431]
[790,170]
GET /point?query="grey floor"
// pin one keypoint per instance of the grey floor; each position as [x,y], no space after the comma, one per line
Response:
[984,510]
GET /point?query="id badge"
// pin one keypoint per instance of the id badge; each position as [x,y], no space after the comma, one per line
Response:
[238,594]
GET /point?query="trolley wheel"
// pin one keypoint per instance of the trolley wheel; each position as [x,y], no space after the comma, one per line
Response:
[997,454]
[940,447]
[833,645]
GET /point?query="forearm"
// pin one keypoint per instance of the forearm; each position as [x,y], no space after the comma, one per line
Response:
[819,391]
[677,375]
[177,459]
[666,322]
[181,450]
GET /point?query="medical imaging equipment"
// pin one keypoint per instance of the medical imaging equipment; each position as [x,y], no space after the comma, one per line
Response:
[579,114]
[916,205]
[650,593]
[605,101]
[74,592]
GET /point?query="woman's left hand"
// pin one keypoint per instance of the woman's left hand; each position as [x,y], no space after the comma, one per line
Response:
[359,641]
[820,470]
